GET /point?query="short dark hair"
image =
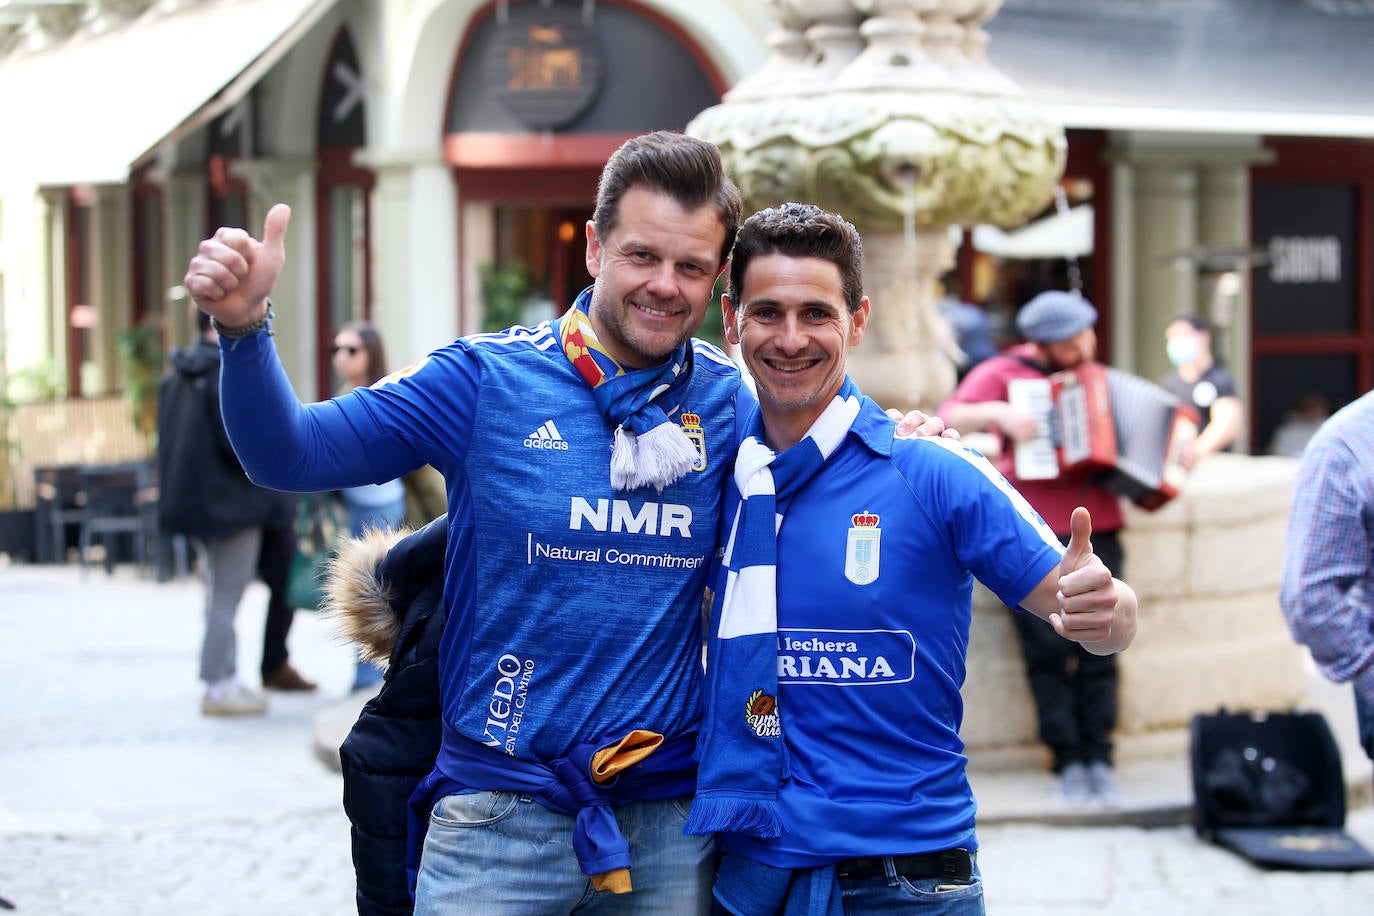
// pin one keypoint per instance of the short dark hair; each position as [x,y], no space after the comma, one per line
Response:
[202,321]
[801,231]
[687,169]
[1196,321]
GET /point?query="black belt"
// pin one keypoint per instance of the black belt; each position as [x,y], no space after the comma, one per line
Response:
[955,864]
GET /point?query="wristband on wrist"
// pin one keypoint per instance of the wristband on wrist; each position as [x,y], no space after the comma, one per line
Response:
[262,324]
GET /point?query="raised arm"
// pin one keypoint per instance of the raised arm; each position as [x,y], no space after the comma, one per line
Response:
[281,443]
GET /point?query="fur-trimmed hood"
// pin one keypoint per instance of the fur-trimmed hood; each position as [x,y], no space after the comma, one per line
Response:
[378,579]
[363,604]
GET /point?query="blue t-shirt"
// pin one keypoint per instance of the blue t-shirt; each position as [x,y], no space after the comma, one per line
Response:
[574,609]
[876,560]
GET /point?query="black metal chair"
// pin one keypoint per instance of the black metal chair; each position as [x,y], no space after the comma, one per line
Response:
[120,500]
[57,508]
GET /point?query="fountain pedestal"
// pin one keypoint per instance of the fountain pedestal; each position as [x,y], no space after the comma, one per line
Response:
[887,112]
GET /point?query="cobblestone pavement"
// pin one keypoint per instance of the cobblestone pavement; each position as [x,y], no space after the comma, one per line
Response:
[118,797]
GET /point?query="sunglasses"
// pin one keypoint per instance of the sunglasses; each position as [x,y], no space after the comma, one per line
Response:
[351,351]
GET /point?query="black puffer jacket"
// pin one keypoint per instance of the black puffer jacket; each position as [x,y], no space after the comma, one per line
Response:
[203,490]
[386,591]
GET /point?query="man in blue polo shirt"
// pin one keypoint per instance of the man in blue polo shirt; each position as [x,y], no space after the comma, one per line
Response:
[830,753]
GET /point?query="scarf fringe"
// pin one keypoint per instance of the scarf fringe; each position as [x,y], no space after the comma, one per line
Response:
[714,812]
[658,457]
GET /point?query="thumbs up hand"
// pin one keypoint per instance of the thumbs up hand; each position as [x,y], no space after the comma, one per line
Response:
[232,273]
[1087,592]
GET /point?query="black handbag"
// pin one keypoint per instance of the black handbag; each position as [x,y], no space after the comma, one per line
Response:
[1269,787]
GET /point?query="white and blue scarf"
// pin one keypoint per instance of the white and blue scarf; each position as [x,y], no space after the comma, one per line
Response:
[649,449]
[740,749]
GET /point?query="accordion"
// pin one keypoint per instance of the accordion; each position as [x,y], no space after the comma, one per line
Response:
[1125,429]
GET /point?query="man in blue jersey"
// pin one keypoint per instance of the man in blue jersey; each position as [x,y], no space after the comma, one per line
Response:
[585,461]
[830,753]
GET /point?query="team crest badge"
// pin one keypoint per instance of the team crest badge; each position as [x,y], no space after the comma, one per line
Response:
[761,711]
[861,549]
[691,425]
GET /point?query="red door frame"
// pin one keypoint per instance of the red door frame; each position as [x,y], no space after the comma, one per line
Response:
[337,171]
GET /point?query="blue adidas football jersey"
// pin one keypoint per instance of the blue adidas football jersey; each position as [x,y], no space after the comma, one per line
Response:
[574,609]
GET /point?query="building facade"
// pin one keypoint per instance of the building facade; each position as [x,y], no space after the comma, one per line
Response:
[440,158]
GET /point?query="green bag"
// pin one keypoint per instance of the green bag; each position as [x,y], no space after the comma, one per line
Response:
[316,531]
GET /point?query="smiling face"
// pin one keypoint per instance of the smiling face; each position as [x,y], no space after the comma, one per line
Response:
[794,331]
[654,274]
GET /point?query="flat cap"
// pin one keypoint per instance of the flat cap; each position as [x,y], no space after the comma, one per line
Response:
[1055,315]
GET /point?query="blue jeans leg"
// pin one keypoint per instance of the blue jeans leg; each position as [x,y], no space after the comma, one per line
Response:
[893,893]
[504,853]
[1364,714]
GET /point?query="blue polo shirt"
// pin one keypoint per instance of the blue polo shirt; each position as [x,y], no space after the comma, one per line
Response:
[876,560]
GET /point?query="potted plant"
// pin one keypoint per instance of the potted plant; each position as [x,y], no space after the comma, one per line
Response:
[140,347]
[505,291]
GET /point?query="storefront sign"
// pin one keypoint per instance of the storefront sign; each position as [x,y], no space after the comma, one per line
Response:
[545,65]
[1308,284]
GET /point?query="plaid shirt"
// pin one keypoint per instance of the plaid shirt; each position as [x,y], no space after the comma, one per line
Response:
[1328,569]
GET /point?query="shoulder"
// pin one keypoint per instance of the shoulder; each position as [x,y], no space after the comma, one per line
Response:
[1223,380]
[711,359]
[938,453]
[1350,429]
[472,359]
[538,338]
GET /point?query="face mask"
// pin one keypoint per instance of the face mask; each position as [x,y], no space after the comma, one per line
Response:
[1181,350]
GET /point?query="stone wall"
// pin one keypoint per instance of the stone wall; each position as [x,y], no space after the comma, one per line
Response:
[1206,568]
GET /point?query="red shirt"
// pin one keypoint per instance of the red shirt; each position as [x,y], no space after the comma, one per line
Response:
[1055,499]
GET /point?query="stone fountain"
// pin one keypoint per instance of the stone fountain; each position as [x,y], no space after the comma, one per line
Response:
[888,112]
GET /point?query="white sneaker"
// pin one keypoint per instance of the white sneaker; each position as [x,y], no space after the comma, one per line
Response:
[1102,780]
[1075,785]
[237,700]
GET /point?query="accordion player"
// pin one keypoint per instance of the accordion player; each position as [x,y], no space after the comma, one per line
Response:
[1124,428]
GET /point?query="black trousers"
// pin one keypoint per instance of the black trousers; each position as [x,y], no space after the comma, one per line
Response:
[1075,691]
[274,566]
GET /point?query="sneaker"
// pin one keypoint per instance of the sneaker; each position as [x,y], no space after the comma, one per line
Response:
[1075,785]
[1102,779]
[287,678]
[238,700]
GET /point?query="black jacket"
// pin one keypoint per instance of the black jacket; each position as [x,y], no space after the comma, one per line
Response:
[386,590]
[203,490]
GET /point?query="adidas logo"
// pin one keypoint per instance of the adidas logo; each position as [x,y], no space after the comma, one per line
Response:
[547,436]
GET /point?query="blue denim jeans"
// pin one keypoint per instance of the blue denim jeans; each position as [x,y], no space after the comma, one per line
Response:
[505,853]
[1364,714]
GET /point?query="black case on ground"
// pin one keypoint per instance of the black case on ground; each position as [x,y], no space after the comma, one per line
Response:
[1269,787]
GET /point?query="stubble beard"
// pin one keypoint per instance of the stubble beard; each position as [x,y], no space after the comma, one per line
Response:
[619,326]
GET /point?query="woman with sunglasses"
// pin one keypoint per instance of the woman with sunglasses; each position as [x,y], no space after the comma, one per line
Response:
[359,360]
